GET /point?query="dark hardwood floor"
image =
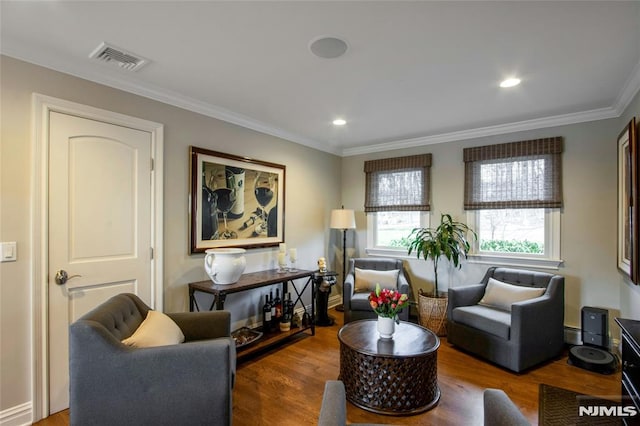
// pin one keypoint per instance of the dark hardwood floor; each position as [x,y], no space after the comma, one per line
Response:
[285,385]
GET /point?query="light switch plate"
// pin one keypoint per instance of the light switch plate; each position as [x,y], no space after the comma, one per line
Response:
[9,252]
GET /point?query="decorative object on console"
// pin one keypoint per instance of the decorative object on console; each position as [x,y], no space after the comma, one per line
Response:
[448,240]
[293,257]
[225,265]
[343,219]
[282,262]
[322,265]
[235,201]
[245,336]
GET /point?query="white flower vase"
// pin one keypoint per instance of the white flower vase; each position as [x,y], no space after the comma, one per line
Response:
[386,327]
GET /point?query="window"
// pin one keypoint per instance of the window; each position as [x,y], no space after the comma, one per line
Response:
[391,229]
[396,199]
[513,193]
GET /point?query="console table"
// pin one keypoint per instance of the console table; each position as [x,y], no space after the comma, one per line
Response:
[397,376]
[630,386]
[256,280]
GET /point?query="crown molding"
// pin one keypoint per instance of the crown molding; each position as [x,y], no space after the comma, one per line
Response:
[630,89]
[162,95]
[538,123]
[50,61]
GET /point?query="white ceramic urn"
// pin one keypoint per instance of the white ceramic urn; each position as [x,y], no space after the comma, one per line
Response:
[225,265]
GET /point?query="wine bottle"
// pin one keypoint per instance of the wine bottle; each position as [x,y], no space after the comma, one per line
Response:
[266,315]
[287,309]
[278,303]
[273,323]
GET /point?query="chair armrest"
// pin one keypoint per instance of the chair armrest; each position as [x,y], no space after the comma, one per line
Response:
[334,404]
[347,289]
[526,316]
[464,296]
[403,283]
[203,325]
[499,410]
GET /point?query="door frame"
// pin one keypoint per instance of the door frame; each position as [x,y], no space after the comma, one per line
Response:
[42,106]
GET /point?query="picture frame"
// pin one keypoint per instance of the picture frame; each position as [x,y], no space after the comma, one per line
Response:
[628,211]
[234,201]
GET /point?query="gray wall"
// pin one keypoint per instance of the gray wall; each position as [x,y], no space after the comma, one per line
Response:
[588,219]
[629,293]
[311,179]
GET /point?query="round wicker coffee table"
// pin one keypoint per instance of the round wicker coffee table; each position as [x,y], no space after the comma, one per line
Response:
[396,376]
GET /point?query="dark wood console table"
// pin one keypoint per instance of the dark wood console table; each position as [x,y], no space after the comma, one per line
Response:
[630,386]
[256,280]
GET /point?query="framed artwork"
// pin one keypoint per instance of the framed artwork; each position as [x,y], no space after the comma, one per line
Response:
[628,219]
[235,201]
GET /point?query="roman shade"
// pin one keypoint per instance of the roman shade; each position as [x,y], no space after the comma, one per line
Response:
[398,184]
[515,175]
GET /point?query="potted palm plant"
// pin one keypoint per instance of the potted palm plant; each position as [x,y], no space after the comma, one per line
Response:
[449,241]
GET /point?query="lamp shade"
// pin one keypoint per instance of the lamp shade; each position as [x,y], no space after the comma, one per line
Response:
[343,219]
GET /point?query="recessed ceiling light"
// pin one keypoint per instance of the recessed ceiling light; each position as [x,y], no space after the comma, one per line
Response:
[339,122]
[510,82]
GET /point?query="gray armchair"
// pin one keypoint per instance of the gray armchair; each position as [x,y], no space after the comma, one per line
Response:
[531,333]
[114,384]
[334,406]
[356,304]
[499,410]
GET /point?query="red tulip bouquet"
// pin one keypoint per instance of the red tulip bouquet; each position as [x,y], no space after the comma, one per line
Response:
[388,303]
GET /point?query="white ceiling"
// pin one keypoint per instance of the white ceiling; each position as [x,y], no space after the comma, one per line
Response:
[415,72]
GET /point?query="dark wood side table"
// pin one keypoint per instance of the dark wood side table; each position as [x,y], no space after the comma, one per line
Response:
[397,376]
[256,280]
[323,282]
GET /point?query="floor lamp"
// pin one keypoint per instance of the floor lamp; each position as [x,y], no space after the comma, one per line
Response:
[343,219]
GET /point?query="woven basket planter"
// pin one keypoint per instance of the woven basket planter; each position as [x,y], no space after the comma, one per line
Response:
[432,313]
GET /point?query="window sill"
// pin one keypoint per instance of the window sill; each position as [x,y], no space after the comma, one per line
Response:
[486,259]
[525,262]
[389,252]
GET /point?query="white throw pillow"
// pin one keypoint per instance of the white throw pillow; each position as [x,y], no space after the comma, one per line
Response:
[366,279]
[156,330]
[501,295]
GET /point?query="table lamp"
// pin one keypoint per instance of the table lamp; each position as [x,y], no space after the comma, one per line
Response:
[343,219]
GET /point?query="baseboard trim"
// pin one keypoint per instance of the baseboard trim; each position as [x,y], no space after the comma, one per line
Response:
[20,415]
[334,301]
[572,336]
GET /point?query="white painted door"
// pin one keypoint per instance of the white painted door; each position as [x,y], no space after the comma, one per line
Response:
[100,227]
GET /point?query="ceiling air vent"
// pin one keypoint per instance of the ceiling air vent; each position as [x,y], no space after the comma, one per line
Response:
[116,56]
